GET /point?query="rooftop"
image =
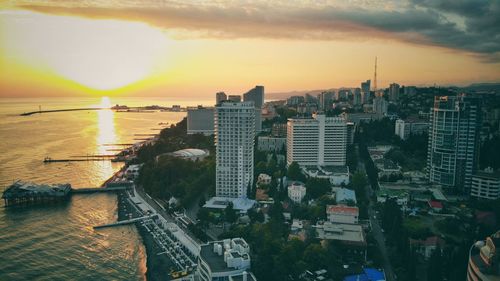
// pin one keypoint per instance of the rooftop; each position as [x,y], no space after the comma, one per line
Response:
[341,209]
[344,194]
[350,233]
[484,255]
[190,152]
[217,254]
[21,189]
[242,204]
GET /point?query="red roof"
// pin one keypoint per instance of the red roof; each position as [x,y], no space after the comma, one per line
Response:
[436,204]
[342,209]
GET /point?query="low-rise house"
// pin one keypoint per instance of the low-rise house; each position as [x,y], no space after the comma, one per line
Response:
[342,214]
[263,179]
[344,195]
[401,196]
[337,175]
[427,246]
[296,191]
[436,206]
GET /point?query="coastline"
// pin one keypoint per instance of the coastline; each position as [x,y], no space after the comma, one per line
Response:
[157,266]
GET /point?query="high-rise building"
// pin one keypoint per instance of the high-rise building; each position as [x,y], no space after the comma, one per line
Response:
[294,100]
[484,260]
[365,86]
[380,105]
[394,92]
[256,95]
[219,97]
[234,136]
[452,152]
[325,99]
[358,98]
[200,120]
[317,141]
[234,98]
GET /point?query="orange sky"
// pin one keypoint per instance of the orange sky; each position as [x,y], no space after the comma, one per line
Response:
[47,52]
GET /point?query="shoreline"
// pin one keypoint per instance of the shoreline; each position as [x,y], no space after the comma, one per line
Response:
[157,266]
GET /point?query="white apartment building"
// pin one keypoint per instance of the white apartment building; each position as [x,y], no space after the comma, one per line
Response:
[234,137]
[200,120]
[317,141]
[405,128]
[269,143]
[485,185]
[452,152]
[223,260]
[296,191]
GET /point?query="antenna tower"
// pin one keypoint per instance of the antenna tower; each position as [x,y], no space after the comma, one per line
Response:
[375,80]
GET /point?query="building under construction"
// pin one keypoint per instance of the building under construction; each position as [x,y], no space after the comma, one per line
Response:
[21,192]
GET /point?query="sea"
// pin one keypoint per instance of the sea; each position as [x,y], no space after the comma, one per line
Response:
[57,241]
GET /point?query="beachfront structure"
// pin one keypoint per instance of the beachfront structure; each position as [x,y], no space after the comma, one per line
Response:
[485,185]
[21,192]
[200,120]
[234,137]
[454,128]
[296,191]
[192,154]
[317,141]
[484,260]
[405,128]
[221,260]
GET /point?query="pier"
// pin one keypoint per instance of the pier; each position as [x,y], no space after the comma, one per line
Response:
[124,222]
[27,193]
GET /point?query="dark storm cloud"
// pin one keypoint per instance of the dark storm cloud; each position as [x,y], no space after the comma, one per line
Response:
[467,25]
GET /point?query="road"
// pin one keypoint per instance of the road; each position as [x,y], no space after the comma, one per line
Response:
[375,227]
[160,210]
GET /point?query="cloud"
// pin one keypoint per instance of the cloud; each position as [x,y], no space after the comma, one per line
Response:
[466,25]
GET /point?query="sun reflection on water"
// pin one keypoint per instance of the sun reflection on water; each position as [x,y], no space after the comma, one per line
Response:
[106,135]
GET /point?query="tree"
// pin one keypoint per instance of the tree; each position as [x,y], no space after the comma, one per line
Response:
[294,172]
[316,187]
[230,214]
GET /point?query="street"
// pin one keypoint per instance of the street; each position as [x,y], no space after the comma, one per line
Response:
[376,229]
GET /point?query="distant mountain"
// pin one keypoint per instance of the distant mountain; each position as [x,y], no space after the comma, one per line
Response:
[488,87]
[285,95]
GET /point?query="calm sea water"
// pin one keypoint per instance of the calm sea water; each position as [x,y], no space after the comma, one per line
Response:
[57,242]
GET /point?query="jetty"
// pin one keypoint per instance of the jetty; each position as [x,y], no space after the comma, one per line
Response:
[61,110]
[124,222]
[21,192]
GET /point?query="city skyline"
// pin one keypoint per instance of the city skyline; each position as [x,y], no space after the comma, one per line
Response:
[63,48]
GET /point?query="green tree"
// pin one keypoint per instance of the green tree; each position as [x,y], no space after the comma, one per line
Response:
[230,214]
[316,187]
[294,172]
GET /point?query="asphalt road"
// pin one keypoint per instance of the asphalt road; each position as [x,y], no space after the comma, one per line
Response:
[376,229]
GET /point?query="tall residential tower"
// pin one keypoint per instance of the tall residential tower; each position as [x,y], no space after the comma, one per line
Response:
[234,136]
[452,153]
[317,141]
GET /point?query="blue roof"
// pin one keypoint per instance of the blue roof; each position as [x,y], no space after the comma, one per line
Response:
[369,274]
[360,277]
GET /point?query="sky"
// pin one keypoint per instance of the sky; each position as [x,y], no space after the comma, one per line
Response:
[196,48]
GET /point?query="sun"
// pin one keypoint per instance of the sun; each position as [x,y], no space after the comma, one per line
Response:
[99,54]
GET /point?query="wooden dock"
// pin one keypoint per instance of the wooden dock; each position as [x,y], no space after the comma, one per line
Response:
[124,222]
[98,189]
